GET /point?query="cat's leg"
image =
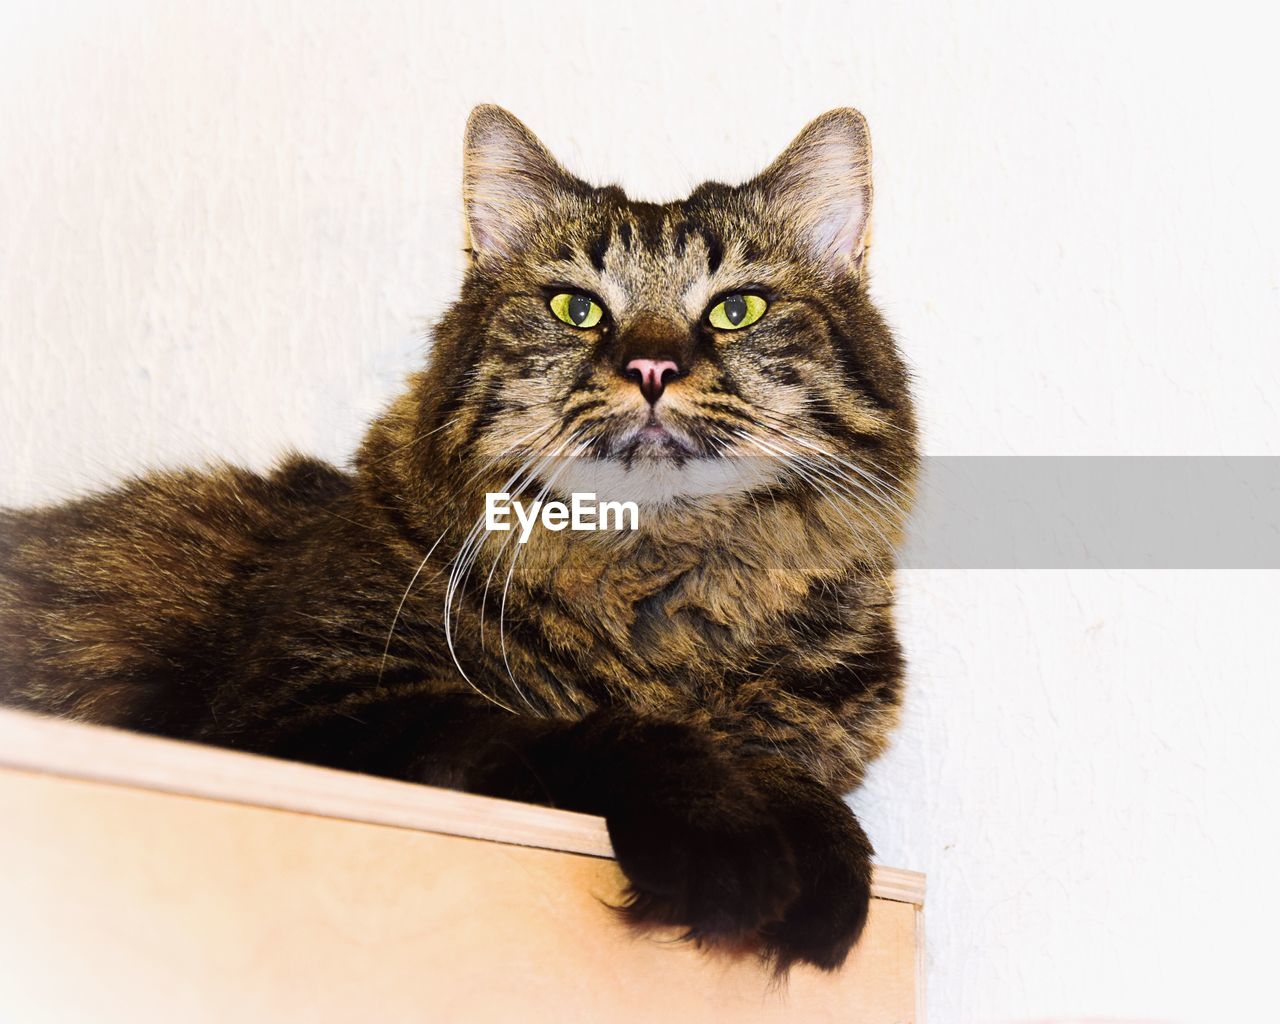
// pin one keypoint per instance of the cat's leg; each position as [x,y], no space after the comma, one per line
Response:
[701,842]
[688,837]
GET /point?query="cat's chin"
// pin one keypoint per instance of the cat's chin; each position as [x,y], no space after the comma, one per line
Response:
[658,472]
[653,441]
[654,444]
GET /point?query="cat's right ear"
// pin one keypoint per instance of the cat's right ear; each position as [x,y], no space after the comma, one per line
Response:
[821,189]
[508,181]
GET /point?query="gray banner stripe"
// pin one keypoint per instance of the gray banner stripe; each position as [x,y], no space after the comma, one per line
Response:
[1000,512]
[1089,512]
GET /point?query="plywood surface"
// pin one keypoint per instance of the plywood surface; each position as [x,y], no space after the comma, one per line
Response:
[139,903]
[74,750]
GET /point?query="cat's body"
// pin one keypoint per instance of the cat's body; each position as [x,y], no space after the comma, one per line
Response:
[711,682]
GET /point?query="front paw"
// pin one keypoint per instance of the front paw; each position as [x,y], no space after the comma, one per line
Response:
[711,859]
[833,854]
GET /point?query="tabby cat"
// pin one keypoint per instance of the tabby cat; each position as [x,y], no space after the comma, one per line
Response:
[711,682]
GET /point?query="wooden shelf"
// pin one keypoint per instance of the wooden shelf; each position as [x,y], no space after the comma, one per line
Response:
[149,879]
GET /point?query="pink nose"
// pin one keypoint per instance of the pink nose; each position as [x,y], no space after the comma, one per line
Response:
[652,376]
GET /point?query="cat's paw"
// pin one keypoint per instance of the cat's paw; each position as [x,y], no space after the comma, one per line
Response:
[825,921]
[719,877]
[711,860]
[833,855]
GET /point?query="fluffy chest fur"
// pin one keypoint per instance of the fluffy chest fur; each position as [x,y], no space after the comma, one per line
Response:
[772,611]
[699,598]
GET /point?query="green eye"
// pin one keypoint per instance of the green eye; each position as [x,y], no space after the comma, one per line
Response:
[734,311]
[576,310]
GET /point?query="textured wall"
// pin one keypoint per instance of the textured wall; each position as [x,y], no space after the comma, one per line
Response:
[224,227]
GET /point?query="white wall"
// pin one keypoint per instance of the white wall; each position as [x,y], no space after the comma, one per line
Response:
[223,227]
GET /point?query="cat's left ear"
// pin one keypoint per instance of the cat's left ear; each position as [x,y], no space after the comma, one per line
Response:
[508,181]
[820,187]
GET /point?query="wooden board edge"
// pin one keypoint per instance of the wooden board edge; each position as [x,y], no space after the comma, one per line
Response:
[54,746]
[898,884]
[921,987]
[99,754]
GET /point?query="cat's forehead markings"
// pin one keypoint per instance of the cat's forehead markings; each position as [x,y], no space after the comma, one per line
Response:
[687,230]
[677,271]
[598,247]
[648,256]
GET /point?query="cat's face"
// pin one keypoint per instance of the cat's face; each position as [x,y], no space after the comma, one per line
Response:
[663,352]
